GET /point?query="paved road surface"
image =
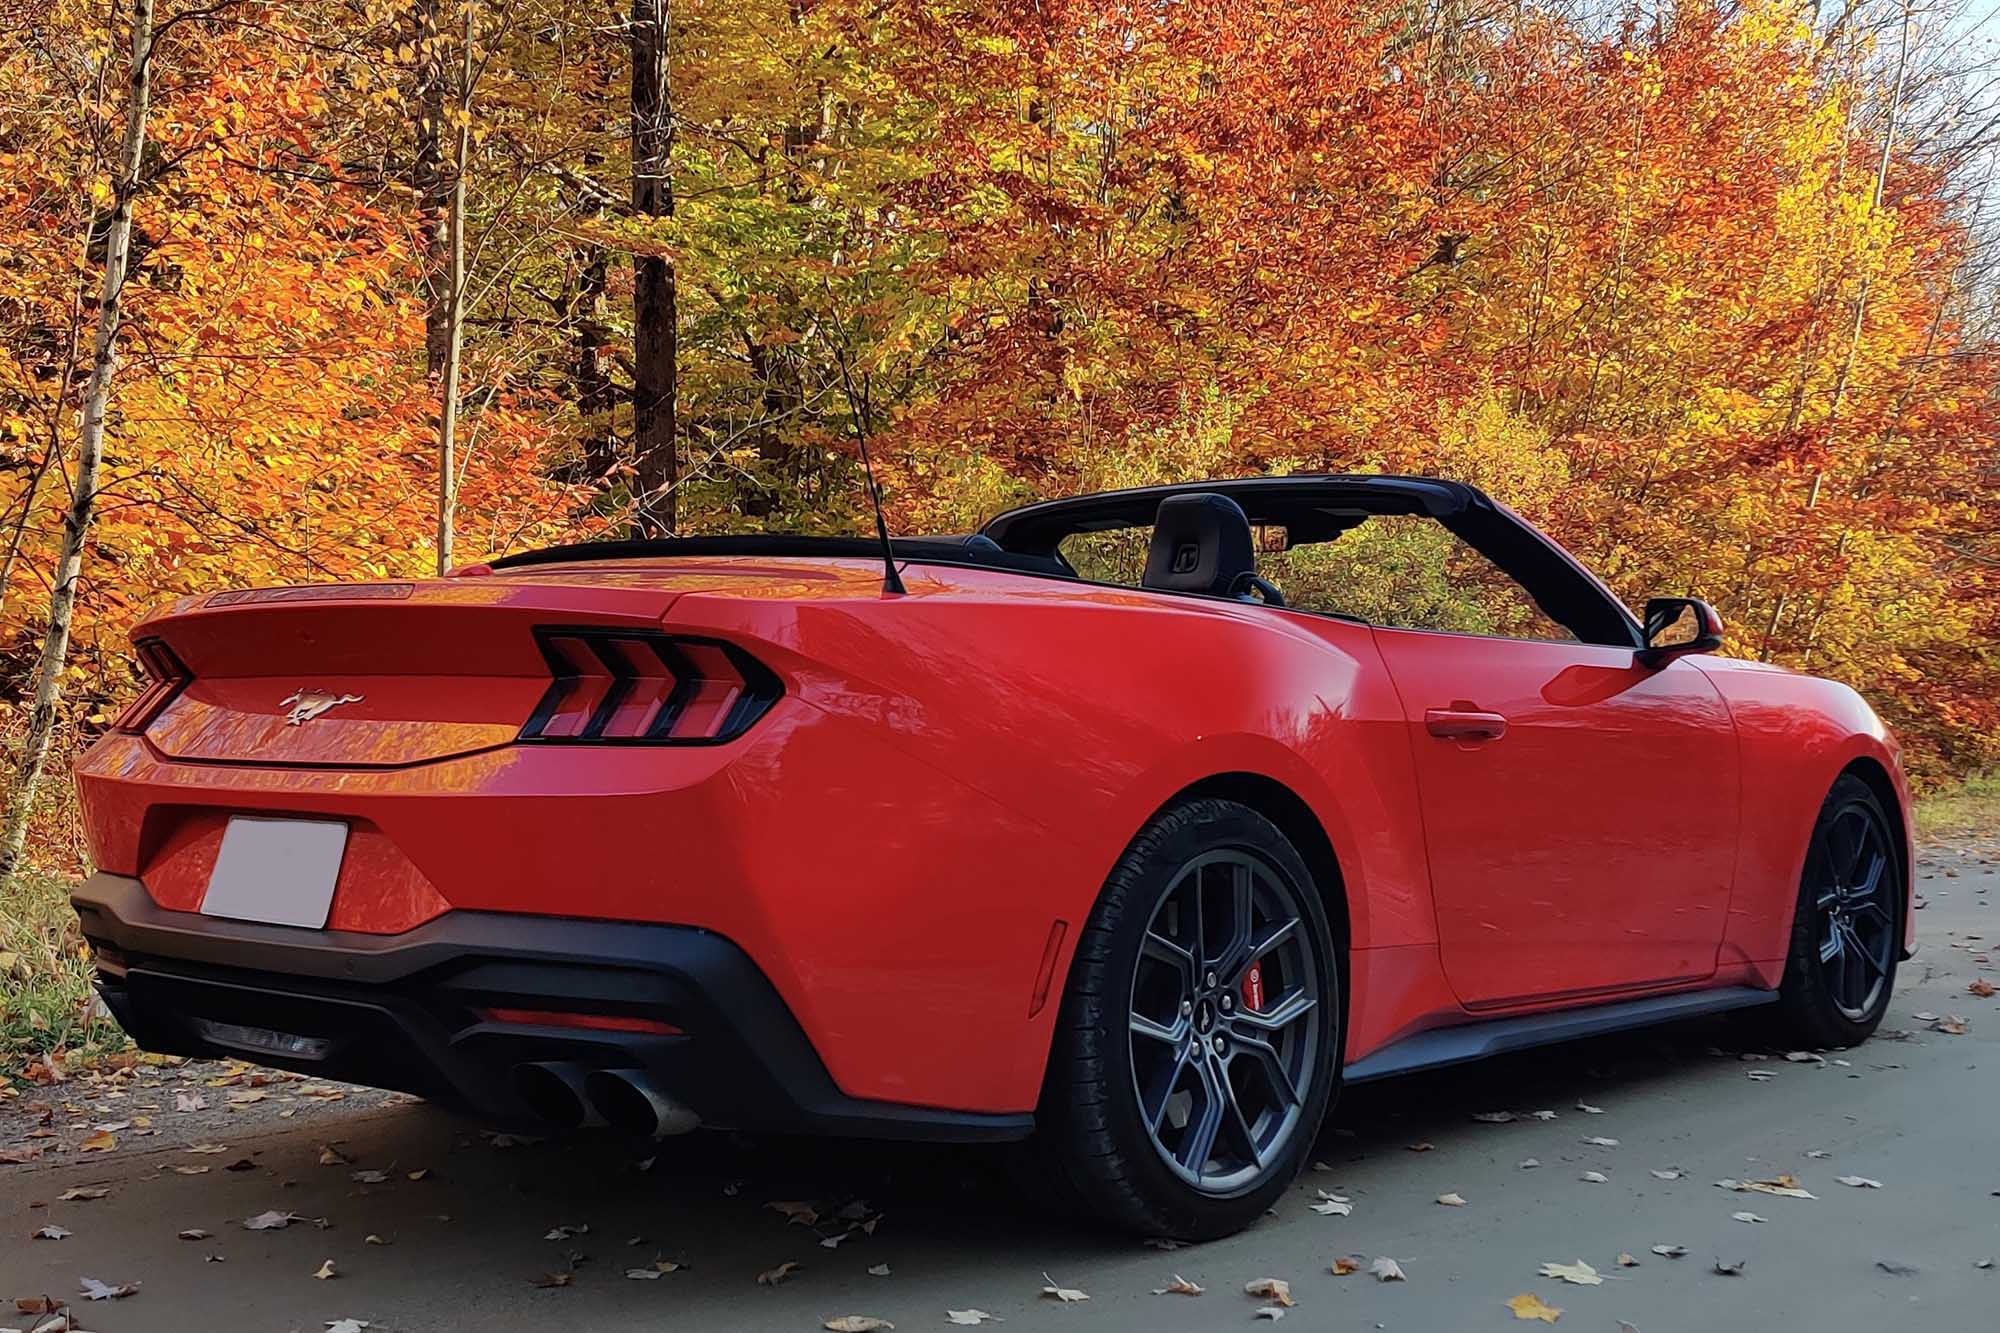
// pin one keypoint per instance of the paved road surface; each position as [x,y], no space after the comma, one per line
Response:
[1914,1109]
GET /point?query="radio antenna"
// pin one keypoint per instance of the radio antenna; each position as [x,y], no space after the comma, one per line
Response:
[892,582]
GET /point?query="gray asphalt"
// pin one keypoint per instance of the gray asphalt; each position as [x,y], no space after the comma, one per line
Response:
[1912,1109]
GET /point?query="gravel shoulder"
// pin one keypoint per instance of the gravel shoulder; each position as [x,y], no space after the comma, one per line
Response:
[465,1242]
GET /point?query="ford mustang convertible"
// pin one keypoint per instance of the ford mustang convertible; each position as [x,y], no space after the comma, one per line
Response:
[1125,830]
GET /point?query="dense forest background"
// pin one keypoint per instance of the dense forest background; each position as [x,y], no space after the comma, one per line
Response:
[1706,289]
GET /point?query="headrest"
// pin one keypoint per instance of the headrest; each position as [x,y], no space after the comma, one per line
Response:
[1201,543]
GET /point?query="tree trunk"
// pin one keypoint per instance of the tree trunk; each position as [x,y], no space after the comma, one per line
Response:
[433,182]
[90,454]
[653,315]
[454,311]
[594,395]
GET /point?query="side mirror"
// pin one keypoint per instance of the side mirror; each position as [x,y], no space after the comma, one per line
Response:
[1677,625]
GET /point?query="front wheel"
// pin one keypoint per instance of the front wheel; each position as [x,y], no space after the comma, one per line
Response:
[1197,1046]
[1847,929]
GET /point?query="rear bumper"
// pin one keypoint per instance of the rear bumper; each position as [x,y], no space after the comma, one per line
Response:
[405,1011]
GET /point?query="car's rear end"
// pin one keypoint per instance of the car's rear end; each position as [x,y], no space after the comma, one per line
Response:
[538,843]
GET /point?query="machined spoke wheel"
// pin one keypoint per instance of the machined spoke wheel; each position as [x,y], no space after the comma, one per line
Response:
[1223,1032]
[1848,871]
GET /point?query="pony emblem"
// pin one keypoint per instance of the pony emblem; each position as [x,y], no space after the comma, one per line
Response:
[309,704]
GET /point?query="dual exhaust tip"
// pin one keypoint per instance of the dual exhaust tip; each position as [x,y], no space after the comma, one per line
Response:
[625,1099]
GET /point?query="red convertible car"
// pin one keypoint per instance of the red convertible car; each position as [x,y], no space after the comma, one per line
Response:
[1130,827]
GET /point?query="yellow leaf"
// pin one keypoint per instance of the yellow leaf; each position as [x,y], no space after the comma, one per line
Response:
[1529,1306]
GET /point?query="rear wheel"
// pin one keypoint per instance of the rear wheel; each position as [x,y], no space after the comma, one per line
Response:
[1847,929]
[1197,1046]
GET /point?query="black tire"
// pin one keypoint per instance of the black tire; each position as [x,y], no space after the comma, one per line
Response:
[1820,1003]
[1093,1146]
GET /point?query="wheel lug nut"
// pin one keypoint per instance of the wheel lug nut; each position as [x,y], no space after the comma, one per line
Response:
[1228,1004]
[1211,981]
[1187,1007]
[1217,1045]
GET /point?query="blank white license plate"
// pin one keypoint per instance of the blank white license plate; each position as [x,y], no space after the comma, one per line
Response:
[279,871]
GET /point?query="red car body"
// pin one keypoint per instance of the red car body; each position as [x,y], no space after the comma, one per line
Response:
[904,840]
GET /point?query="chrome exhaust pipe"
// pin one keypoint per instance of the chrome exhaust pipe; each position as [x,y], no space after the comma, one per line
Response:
[630,1101]
[554,1090]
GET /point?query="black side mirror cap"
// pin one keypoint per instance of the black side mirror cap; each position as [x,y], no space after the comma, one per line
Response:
[1679,625]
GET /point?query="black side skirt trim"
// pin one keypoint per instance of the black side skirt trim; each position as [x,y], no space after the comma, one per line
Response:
[1477,1041]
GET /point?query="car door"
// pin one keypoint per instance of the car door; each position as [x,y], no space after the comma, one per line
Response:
[1579,812]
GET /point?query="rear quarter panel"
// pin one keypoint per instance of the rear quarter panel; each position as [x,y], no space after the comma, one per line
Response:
[1083,710]
[1797,734]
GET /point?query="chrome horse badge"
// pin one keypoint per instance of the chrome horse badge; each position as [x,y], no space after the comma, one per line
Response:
[309,704]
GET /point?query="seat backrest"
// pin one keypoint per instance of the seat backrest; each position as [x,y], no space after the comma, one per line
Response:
[1201,543]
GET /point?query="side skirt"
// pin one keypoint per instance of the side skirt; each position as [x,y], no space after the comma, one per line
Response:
[1476,1041]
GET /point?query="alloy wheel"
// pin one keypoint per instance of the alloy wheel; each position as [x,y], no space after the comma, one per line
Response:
[1853,884]
[1224,1030]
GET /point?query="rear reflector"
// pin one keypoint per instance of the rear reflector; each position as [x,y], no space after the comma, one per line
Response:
[165,678]
[554,1018]
[619,687]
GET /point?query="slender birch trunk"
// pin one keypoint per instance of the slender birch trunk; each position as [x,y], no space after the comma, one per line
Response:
[89,454]
[454,330]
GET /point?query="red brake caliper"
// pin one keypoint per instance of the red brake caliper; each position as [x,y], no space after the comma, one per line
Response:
[1253,987]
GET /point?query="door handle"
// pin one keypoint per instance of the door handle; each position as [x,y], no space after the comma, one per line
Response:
[1457,724]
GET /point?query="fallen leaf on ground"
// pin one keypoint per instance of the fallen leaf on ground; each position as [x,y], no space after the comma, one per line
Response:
[106,1291]
[1818,1154]
[53,1232]
[566,1232]
[419,1174]
[1595,1177]
[1452,1200]
[1161,1243]
[271,1221]
[771,1277]
[193,1233]
[1747,1217]
[368,1177]
[1760,1075]
[102,1141]
[1859,1182]
[325,1270]
[1530,1163]
[1588,1109]
[1667,1175]
[1627,1261]
[1784,1187]
[1733,1268]
[1670,1251]
[1805,1058]
[1952,1026]
[1543,1115]
[190,1101]
[1493,1117]
[1273,1289]
[1581,1273]
[548,1280]
[856,1323]
[209,1148]
[372,1239]
[38,1304]
[1056,1291]
[1386,1269]
[1345,1264]
[1983,988]
[1332,1205]
[347,1325]
[1897,1268]
[82,1192]
[1599,1141]
[1180,1286]
[878,1270]
[1271,1312]
[968,1318]
[1420,1147]
[795,1210]
[332,1156]
[1529,1306]
[18,1156]
[185,1169]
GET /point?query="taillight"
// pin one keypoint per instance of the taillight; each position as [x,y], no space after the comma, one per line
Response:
[165,678]
[623,687]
